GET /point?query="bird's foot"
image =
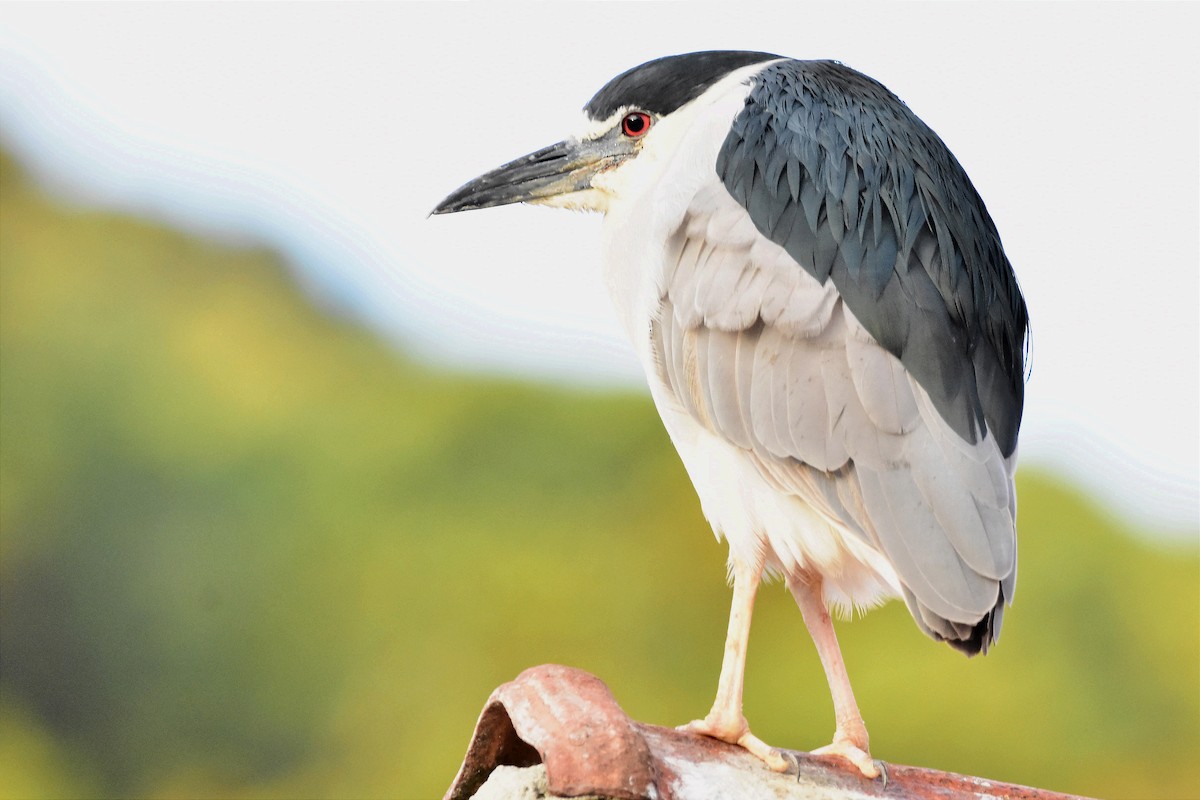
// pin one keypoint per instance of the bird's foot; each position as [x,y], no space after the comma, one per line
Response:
[844,747]
[736,730]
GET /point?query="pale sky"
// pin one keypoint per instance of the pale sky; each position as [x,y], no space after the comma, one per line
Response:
[331,130]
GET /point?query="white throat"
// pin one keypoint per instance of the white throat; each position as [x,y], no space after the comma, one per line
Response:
[646,197]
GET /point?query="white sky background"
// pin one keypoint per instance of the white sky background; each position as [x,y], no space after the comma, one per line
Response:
[331,130]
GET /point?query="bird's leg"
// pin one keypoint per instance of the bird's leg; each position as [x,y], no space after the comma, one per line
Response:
[725,721]
[850,737]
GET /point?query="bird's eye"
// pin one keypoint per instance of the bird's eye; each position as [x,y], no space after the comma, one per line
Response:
[635,124]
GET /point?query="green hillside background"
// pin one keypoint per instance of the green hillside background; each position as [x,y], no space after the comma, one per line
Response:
[248,550]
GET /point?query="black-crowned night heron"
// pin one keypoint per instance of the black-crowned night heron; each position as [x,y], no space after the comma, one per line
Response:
[832,334]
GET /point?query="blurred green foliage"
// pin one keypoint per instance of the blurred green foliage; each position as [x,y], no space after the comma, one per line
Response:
[247,550]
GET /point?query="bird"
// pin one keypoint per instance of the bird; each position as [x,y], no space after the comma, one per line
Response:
[831,332]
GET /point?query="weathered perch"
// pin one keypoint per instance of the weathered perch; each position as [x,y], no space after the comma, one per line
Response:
[558,732]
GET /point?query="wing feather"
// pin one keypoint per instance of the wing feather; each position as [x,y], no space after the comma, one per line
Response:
[922,554]
[757,350]
[882,386]
[875,202]
[719,356]
[766,398]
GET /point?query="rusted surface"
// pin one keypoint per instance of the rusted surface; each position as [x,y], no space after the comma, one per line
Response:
[495,743]
[569,720]
[572,721]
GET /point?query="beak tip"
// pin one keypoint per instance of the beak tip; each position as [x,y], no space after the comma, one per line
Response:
[449,205]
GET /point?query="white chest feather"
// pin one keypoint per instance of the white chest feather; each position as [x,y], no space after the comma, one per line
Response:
[646,208]
[649,197]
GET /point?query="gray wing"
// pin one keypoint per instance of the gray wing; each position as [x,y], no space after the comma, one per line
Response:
[760,352]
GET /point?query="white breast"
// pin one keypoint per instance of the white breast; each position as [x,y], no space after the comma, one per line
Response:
[648,200]
[649,195]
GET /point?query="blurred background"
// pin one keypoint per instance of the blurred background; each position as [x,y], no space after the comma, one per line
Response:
[291,476]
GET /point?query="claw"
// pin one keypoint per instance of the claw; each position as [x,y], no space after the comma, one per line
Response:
[793,763]
[775,760]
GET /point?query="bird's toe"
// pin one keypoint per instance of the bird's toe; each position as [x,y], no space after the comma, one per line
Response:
[859,757]
[726,727]
[736,731]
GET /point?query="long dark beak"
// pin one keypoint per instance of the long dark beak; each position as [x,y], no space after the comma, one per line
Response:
[561,168]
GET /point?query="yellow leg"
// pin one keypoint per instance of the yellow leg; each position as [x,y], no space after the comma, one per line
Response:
[850,737]
[725,721]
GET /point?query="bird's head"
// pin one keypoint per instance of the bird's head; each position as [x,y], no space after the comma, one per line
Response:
[636,117]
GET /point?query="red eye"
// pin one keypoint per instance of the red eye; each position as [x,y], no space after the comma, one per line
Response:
[635,124]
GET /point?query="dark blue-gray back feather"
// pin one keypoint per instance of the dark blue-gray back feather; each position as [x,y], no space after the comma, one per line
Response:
[835,169]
